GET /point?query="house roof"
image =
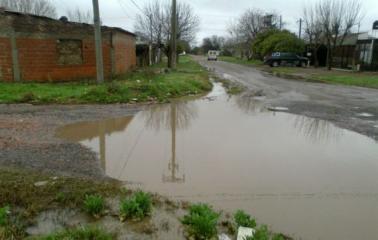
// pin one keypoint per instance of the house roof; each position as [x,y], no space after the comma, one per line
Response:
[67,23]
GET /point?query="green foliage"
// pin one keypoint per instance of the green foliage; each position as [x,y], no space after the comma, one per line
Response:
[94,204]
[242,219]
[85,233]
[277,41]
[4,212]
[138,206]
[261,233]
[144,85]
[201,221]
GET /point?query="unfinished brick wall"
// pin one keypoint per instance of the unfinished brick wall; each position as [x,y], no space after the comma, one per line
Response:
[39,61]
[6,72]
[124,53]
[46,49]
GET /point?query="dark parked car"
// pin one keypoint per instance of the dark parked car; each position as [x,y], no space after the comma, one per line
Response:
[285,58]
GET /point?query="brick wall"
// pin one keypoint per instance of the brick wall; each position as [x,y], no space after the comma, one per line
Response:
[6,72]
[40,55]
[124,53]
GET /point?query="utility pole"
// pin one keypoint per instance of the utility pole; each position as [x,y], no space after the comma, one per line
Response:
[98,42]
[173,62]
[281,22]
[300,28]
[150,45]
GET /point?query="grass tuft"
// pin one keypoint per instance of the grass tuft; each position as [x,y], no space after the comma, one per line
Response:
[138,206]
[243,219]
[201,221]
[94,205]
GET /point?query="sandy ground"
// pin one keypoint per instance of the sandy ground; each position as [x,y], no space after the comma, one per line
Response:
[353,108]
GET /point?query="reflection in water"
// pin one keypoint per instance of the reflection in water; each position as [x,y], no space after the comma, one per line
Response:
[303,176]
[249,104]
[89,130]
[317,130]
[177,115]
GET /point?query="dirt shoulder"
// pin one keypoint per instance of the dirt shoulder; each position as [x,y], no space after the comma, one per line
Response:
[349,107]
[27,137]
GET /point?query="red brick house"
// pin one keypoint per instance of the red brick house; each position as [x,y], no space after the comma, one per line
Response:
[34,48]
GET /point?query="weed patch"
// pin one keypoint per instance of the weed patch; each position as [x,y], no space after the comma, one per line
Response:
[201,221]
[94,205]
[138,206]
[242,219]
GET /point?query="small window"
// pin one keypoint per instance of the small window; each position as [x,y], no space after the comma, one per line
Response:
[70,52]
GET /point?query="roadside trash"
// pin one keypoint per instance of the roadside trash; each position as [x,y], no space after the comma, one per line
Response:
[278,109]
[41,183]
[223,236]
[244,232]
[364,114]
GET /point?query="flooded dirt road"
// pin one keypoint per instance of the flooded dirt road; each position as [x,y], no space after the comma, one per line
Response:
[349,107]
[303,176]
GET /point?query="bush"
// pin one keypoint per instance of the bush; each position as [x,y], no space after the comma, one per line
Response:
[4,212]
[242,219]
[262,233]
[201,221]
[137,206]
[94,205]
[85,233]
[278,237]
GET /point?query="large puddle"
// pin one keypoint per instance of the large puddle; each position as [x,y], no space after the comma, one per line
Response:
[304,177]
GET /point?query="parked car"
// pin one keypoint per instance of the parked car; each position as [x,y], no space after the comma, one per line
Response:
[286,58]
[212,55]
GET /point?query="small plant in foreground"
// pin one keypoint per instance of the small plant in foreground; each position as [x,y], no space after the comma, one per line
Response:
[138,206]
[261,233]
[278,237]
[201,221]
[4,212]
[243,219]
[85,233]
[94,205]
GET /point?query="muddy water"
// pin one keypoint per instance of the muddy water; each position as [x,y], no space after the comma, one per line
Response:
[302,176]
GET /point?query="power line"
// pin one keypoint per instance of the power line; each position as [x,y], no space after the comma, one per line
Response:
[135,4]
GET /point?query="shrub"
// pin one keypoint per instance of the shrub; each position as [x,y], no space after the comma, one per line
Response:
[201,221]
[85,233]
[242,219]
[138,206]
[94,205]
[261,233]
[4,212]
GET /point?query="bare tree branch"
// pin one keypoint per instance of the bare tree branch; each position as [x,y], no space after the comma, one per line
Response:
[36,7]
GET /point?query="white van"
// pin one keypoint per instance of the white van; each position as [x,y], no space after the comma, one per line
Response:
[212,55]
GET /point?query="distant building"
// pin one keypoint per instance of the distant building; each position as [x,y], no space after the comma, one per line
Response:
[35,48]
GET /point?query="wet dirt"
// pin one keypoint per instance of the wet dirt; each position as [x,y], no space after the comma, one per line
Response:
[303,176]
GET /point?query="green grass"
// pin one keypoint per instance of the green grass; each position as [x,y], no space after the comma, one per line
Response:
[350,79]
[4,212]
[94,205]
[136,207]
[236,60]
[83,233]
[140,86]
[243,219]
[261,233]
[201,221]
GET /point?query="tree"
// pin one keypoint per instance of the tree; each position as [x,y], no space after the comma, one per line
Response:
[337,18]
[313,30]
[77,15]
[36,7]
[250,23]
[156,21]
[275,40]
[213,43]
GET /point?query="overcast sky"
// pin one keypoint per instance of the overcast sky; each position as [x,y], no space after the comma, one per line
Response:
[215,15]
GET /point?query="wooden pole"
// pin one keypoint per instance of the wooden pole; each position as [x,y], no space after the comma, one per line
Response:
[173,62]
[98,42]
